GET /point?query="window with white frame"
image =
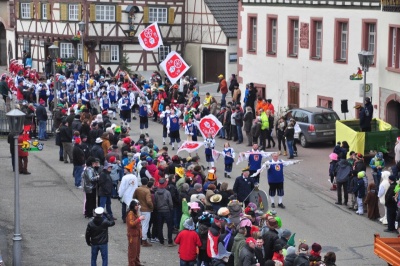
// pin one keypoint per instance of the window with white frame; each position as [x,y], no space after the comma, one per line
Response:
[26,45]
[318,38]
[25,10]
[394,56]
[371,37]
[105,13]
[79,51]
[158,14]
[66,50]
[163,51]
[252,38]
[343,41]
[73,10]
[274,32]
[44,11]
[295,37]
[109,53]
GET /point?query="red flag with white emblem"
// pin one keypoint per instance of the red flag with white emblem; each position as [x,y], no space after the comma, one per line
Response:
[190,146]
[174,66]
[209,125]
[150,38]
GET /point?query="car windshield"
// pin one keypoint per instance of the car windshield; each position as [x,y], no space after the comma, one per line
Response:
[325,118]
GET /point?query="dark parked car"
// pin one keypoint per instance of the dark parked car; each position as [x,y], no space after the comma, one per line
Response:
[317,124]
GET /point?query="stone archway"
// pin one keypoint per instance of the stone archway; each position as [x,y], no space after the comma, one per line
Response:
[3,45]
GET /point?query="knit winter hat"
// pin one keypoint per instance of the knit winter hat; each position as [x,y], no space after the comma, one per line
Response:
[290,250]
[188,224]
[112,159]
[361,174]
[316,247]
[286,233]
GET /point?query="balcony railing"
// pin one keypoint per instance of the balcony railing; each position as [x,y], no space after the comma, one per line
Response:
[391,5]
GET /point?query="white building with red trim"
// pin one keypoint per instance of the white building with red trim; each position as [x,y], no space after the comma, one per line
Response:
[302,53]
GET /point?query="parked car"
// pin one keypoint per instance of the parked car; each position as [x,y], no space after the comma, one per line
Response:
[317,124]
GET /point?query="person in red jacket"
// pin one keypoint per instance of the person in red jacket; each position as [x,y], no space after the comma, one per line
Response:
[188,241]
[22,157]
[223,88]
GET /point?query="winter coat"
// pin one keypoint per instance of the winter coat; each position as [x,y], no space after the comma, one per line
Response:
[129,184]
[163,200]
[301,260]
[65,134]
[188,241]
[248,121]
[239,118]
[289,259]
[174,194]
[97,230]
[41,113]
[105,184]
[243,187]
[256,130]
[270,238]
[359,190]
[372,202]
[390,202]
[78,156]
[97,152]
[342,171]
[247,256]
[90,178]
[289,133]
[238,244]
[143,195]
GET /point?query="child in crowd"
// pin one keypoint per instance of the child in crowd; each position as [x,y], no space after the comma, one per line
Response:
[229,156]
[209,144]
[359,191]
[371,201]
[190,129]
[332,165]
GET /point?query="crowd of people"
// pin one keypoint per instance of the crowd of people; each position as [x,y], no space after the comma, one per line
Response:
[348,176]
[213,224]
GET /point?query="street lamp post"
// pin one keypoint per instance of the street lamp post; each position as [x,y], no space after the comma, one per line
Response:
[16,121]
[53,52]
[366,59]
[82,26]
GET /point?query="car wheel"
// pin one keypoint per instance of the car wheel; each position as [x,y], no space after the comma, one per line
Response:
[303,142]
[40,147]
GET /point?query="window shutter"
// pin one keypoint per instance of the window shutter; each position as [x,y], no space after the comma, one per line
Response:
[85,54]
[48,11]
[118,14]
[63,12]
[146,14]
[17,10]
[39,13]
[171,14]
[32,9]
[92,12]
[79,12]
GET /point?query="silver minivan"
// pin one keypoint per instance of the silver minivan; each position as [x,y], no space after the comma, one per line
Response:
[317,124]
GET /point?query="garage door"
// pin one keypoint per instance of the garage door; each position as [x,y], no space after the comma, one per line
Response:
[213,64]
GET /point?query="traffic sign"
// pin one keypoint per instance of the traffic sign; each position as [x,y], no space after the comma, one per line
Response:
[368,90]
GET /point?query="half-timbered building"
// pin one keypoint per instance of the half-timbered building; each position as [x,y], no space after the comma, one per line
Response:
[211,38]
[301,53]
[110,35]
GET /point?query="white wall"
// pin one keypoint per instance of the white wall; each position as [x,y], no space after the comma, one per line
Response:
[325,77]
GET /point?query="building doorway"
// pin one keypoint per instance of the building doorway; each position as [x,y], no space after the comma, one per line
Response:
[293,95]
[213,64]
[393,113]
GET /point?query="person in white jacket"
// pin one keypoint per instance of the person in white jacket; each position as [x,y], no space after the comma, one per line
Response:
[383,187]
[129,184]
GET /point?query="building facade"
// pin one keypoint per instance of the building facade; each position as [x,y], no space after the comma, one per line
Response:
[110,36]
[211,38]
[302,53]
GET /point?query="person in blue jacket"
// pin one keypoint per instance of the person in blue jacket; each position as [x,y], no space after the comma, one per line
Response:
[243,186]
